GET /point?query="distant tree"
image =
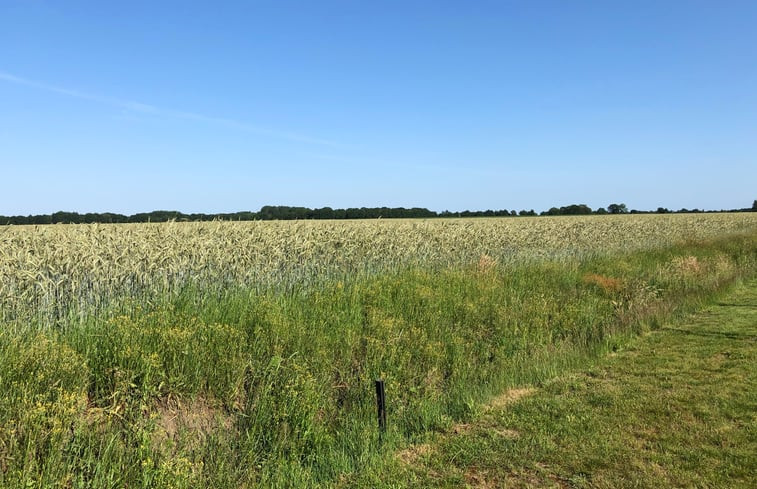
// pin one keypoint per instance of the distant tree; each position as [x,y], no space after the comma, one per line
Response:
[575,210]
[617,209]
[569,210]
[754,206]
[601,211]
[66,217]
[662,210]
[43,219]
[324,213]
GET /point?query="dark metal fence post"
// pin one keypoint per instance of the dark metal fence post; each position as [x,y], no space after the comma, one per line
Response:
[381,405]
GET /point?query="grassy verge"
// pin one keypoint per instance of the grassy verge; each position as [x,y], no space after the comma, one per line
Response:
[275,390]
[674,408]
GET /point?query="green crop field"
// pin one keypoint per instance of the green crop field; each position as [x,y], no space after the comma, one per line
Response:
[243,354]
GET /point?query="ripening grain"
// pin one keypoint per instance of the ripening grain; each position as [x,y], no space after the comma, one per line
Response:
[48,272]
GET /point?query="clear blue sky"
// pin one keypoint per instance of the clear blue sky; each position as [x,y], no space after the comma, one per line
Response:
[143,105]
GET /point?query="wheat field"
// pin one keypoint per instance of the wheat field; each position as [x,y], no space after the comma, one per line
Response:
[50,272]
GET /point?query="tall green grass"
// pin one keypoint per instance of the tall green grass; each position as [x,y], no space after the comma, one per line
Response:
[254,388]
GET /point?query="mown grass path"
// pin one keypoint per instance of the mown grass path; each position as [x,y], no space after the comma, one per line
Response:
[675,408]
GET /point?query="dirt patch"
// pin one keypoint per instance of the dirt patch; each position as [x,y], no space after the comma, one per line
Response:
[410,455]
[509,397]
[507,433]
[195,420]
[478,479]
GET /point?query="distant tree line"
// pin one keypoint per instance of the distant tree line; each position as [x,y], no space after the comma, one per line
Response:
[282,212]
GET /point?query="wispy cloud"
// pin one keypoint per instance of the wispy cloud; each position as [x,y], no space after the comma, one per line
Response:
[124,104]
[165,112]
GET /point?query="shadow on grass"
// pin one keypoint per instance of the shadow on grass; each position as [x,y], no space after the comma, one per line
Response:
[730,304]
[713,334]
